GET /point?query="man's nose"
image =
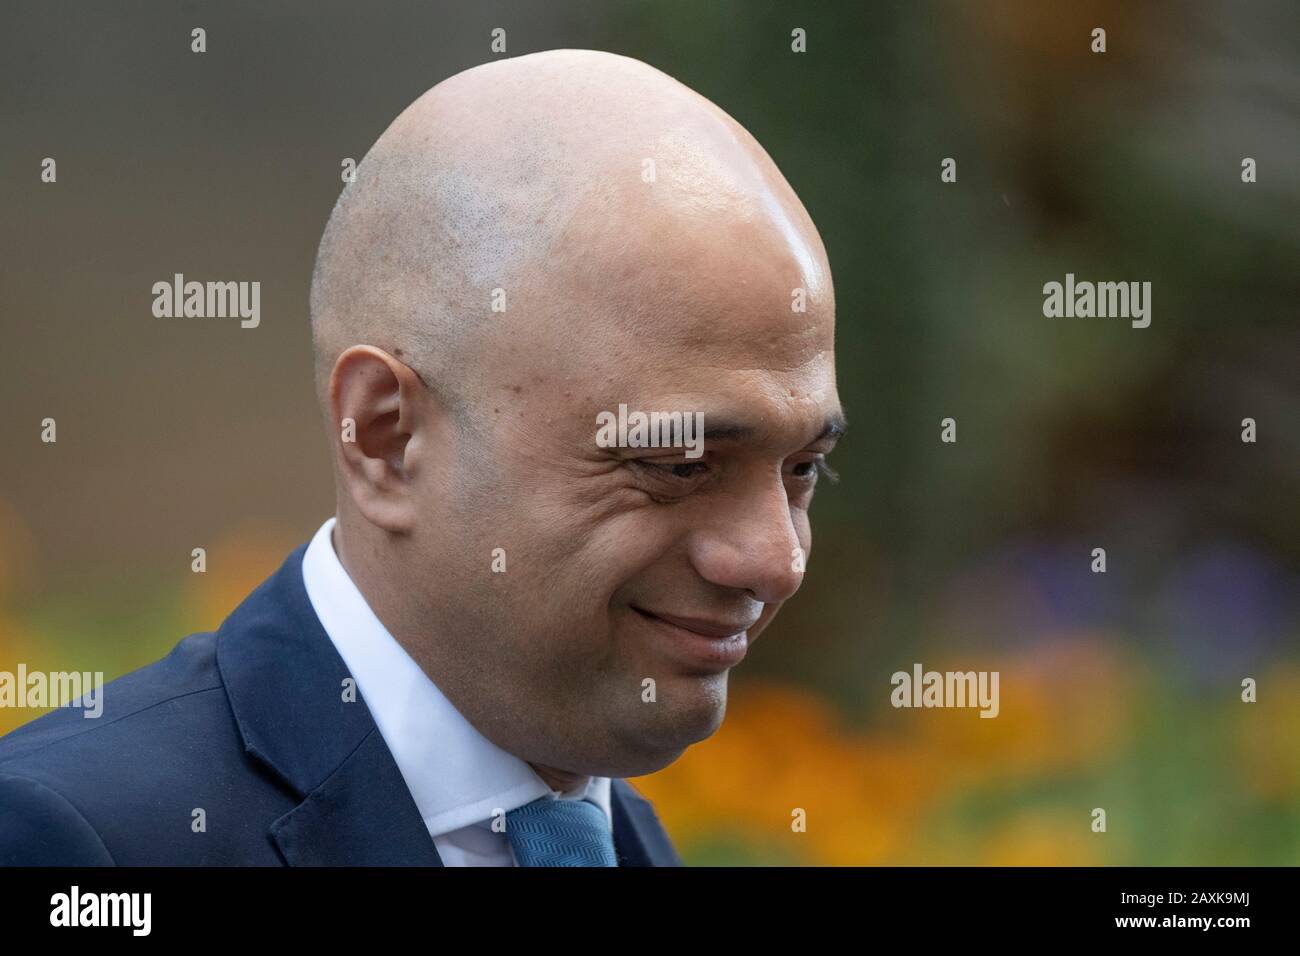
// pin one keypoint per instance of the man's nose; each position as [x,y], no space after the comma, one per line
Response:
[751,543]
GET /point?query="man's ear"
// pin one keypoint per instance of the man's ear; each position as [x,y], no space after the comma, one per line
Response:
[377,404]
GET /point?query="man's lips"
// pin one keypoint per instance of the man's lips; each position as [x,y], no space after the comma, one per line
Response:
[701,645]
[703,626]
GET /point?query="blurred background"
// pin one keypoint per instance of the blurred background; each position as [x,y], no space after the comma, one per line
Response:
[1119,690]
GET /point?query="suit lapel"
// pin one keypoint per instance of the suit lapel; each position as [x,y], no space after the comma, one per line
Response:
[285,681]
[362,815]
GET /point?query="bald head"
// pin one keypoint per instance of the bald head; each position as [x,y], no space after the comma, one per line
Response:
[530,246]
[559,179]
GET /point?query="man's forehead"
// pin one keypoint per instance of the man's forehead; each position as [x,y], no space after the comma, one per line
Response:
[767,357]
[677,309]
[652,297]
[612,352]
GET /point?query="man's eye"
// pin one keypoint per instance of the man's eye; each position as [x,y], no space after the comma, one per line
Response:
[680,469]
[810,470]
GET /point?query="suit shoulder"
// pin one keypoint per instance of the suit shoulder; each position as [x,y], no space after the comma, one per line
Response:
[131,786]
[188,670]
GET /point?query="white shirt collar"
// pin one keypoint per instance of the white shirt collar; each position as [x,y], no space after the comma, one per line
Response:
[456,775]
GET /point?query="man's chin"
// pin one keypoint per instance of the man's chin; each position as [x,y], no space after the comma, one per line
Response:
[686,710]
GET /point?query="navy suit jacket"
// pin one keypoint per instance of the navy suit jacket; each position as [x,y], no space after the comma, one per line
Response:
[248,724]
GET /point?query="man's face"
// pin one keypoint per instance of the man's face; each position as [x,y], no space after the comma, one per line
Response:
[635,578]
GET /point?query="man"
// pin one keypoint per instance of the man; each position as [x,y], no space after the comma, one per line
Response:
[507,616]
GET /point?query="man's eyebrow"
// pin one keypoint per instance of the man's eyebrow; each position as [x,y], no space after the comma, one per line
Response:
[834,426]
[728,431]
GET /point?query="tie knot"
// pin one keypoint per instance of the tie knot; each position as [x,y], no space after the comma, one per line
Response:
[553,832]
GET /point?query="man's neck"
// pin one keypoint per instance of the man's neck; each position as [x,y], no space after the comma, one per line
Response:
[561,780]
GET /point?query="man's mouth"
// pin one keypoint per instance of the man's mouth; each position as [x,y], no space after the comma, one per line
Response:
[712,644]
[707,627]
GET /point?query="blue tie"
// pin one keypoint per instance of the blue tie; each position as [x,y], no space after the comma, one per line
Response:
[552,832]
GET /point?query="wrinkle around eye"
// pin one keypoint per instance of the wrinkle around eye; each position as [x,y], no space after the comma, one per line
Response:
[658,481]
